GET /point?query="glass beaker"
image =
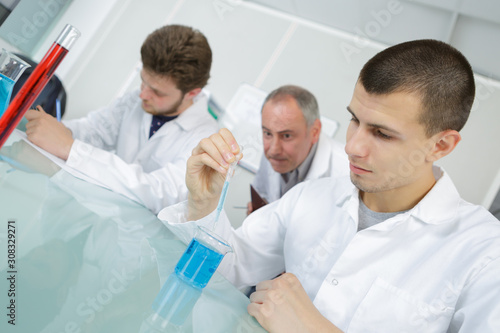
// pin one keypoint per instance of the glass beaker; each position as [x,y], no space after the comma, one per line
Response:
[184,286]
[11,68]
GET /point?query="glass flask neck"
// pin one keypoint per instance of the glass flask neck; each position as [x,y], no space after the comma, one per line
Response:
[12,66]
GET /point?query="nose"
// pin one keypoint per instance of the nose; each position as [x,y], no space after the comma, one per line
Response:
[145,92]
[274,146]
[356,141]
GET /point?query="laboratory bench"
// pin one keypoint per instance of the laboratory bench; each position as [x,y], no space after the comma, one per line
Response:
[77,257]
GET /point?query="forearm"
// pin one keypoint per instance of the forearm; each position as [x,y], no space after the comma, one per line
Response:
[155,190]
[199,207]
[93,133]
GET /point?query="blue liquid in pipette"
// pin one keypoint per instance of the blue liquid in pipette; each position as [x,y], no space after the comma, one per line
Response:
[198,264]
[220,205]
[6,86]
[223,194]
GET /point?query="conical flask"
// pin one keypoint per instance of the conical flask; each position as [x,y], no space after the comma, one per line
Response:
[11,68]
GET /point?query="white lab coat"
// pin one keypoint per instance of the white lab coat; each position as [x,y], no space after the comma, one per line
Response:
[434,268]
[330,160]
[113,147]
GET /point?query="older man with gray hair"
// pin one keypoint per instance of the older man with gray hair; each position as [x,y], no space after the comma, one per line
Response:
[295,150]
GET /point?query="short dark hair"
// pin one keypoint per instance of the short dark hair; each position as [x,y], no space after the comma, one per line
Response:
[180,53]
[304,98]
[434,71]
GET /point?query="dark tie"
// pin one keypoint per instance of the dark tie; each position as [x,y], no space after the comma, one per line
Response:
[157,122]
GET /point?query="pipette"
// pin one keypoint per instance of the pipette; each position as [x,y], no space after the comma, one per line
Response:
[229,175]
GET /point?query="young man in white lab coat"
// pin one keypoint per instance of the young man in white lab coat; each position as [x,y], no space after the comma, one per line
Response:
[392,249]
[295,150]
[138,146]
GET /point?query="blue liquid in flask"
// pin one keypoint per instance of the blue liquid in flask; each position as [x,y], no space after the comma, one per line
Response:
[6,86]
[175,301]
[184,286]
[198,264]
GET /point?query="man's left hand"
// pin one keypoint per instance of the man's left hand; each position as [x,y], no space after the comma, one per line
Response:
[282,305]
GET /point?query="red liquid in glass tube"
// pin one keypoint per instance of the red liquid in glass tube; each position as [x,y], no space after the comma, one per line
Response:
[33,86]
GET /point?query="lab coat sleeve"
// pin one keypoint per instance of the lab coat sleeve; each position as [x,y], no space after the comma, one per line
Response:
[262,179]
[100,128]
[478,306]
[257,245]
[155,190]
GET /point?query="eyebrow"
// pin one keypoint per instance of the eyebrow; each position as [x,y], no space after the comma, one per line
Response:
[281,132]
[156,91]
[375,125]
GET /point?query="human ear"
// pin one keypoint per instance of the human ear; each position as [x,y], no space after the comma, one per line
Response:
[444,143]
[315,131]
[192,94]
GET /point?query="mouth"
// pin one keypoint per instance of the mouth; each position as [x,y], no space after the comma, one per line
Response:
[277,160]
[357,170]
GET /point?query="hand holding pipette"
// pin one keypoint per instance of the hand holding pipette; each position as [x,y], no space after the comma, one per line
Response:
[207,170]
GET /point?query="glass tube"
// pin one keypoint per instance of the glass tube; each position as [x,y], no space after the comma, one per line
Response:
[36,81]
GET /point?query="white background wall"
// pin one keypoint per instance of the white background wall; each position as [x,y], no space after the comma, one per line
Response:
[473,26]
[268,48]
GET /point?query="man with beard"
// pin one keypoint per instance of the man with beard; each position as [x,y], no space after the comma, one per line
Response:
[139,145]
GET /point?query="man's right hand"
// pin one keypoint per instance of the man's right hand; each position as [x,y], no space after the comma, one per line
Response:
[206,170]
[47,133]
[249,208]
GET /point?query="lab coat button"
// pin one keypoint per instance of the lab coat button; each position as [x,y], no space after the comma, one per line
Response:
[335,282]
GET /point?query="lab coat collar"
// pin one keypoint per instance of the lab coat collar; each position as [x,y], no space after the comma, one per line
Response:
[192,116]
[440,205]
[349,199]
